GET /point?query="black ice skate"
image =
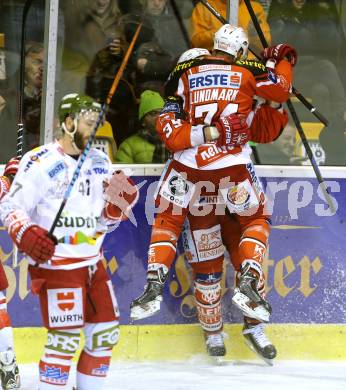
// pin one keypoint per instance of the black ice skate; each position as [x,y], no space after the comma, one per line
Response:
[9,372]
[150,301]
[215,344]
[247,298]
[258,342]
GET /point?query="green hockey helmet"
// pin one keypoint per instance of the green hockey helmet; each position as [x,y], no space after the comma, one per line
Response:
[73,104]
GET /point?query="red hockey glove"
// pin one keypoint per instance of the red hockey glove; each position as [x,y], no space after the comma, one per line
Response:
[35,242]
[280,52]
[5,185]
[121,195]
[11,167]
[233,130]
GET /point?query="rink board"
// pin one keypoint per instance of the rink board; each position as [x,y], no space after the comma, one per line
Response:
[182,342]
[305,267]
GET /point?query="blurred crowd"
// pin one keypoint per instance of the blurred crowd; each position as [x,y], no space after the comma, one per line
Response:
[93,36]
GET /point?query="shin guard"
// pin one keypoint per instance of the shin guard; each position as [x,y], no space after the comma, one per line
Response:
[208,302]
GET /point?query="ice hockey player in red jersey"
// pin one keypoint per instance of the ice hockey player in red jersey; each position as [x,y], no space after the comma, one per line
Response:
[266,125]
[9,372]
[66,269]
[202,124]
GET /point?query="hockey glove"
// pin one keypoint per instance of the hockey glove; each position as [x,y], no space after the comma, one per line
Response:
[121,194]
[35,242]
[233,130]
[5,185]
[279,52]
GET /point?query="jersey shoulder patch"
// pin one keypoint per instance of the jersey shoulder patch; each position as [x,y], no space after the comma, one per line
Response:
[255,67]
[173,79]
[98,157]
[173,104]
[35,156]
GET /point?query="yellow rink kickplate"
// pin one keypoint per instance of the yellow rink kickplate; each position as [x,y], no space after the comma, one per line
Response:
[181,342]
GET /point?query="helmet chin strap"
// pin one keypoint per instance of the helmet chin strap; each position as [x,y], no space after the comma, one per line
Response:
[72,133]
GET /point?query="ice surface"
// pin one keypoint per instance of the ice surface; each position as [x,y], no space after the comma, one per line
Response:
[200,374]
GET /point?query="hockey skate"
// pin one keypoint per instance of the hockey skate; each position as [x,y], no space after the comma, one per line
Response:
[215,345]
[150,301]
[9,372]
[247,298]
[258,342]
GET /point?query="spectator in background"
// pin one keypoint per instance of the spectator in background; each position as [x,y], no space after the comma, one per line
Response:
[161,41]
[312,26]
[91,26]
[168,31]
[34,59]
[145,147]
[281,151]
[314,30]
[153,65]
[11,18]
[204,23]
[123,106]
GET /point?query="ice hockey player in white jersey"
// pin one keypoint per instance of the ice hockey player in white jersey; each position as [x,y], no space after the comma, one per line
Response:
[66,269]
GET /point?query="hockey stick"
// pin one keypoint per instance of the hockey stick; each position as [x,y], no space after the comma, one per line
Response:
[102,113]
[289,103]
[20,128]
[295,92]
[264,42]
[295,118]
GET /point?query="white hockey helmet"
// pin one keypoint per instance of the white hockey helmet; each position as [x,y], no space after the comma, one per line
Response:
[193,53]
[231,40]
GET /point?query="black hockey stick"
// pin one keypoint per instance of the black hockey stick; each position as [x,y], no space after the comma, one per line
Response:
[295,92]
[264,42]
[289,103]
[295,118]
[102,113]
[20,125]
[20,129]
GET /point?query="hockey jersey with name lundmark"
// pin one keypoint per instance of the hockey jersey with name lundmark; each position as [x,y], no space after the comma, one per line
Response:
[203,90]
[36,195]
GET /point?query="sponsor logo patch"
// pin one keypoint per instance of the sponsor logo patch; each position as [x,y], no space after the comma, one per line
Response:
[57,167]
[98,161]
[176,189]
[171,107]
[238,195]
[178,186]
[209,243]
[65,307]
[54,375]
[102,370]
[215,79]
[34,158]
[100,171]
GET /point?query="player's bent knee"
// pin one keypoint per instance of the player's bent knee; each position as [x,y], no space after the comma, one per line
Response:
[101,336]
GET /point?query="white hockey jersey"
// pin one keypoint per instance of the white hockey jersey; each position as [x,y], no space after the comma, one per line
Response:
[37,192]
